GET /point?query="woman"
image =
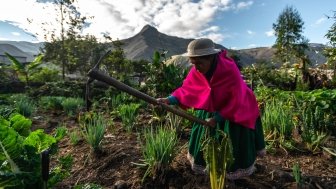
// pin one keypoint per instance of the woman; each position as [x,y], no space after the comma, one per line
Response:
[216,89]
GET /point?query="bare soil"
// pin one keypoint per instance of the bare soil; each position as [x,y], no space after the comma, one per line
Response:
[114,167]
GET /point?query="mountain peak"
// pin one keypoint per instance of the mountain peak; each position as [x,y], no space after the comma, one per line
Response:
[148,29]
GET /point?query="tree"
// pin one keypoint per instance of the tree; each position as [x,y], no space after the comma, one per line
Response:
[71,23]
[330,51]
[290,42]
[117,65]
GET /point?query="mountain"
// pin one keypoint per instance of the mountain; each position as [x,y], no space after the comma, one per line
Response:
[149,39]
[27,47]
[252,55]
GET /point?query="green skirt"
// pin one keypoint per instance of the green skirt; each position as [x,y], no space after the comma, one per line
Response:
[245,142]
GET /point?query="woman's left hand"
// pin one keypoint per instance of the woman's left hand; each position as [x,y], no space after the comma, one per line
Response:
[211,122]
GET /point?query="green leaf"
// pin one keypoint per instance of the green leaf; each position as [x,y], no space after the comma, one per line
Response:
[36,62]
[39,140]
[11,146]
[18,66]
[20,124]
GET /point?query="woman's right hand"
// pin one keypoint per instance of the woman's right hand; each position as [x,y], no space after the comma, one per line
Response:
[162,101]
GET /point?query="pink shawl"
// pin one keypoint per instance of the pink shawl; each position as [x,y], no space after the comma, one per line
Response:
[226,93]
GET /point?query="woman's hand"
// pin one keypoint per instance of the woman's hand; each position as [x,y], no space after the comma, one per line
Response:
[163,101]
[211,122]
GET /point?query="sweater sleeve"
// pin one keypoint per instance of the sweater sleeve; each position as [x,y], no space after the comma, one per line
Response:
[173,100]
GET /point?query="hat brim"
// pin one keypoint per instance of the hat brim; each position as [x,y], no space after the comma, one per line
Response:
[214,51]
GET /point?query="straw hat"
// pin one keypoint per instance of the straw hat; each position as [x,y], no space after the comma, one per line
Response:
[201,47]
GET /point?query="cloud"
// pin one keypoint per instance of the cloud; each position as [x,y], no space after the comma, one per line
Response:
[320,21]
[15,33]
[243,5]
[123,19]
[250,32]
[270,33]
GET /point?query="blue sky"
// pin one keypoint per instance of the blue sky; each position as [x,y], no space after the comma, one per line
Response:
[235,24]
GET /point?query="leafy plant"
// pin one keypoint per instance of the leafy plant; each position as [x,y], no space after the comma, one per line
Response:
[158,150]
[277,121]
[20,158]
[51,102]
[72,105]
[296,170]
[24,106]
[20,124]
[128,114]
[25,69]
[218,156]
[93,130]
[161,79]
[74,137]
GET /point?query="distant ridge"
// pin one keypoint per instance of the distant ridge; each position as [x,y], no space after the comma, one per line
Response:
[15,52]
[149,39]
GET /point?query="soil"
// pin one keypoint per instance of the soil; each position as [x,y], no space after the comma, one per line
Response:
[115,166]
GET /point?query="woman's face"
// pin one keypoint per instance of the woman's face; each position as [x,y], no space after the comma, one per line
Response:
[202,64]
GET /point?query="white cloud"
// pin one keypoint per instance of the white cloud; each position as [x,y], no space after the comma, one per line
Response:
[270,33]
[123,19]
[250,32]
[320,21]
[15,33]
[244,5]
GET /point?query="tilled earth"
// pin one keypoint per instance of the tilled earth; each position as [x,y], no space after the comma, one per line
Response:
[116,166]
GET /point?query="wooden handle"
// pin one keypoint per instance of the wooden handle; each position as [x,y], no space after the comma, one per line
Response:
[100,76]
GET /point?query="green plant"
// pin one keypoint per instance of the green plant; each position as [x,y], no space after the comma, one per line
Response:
[51,102]
[72,105]
[161,78]
[93,130]
[25,106]
[61,170]
[277,121]
[20,124]
[46,75]
[74,137]
[25,69]
[158,150]
[20,157]
[128,114]
[296,170]
[218,156]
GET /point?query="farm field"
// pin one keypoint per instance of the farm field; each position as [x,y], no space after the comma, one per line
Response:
[114,168]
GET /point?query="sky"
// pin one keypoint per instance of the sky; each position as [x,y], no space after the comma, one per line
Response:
[235,24]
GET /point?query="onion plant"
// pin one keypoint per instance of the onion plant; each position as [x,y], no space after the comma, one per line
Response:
[313,136]
[74,137]
[277,122]
[296,170]
[72,105]
[128,114]
[93,130]
[158,149]
[24,105]
[218,156]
